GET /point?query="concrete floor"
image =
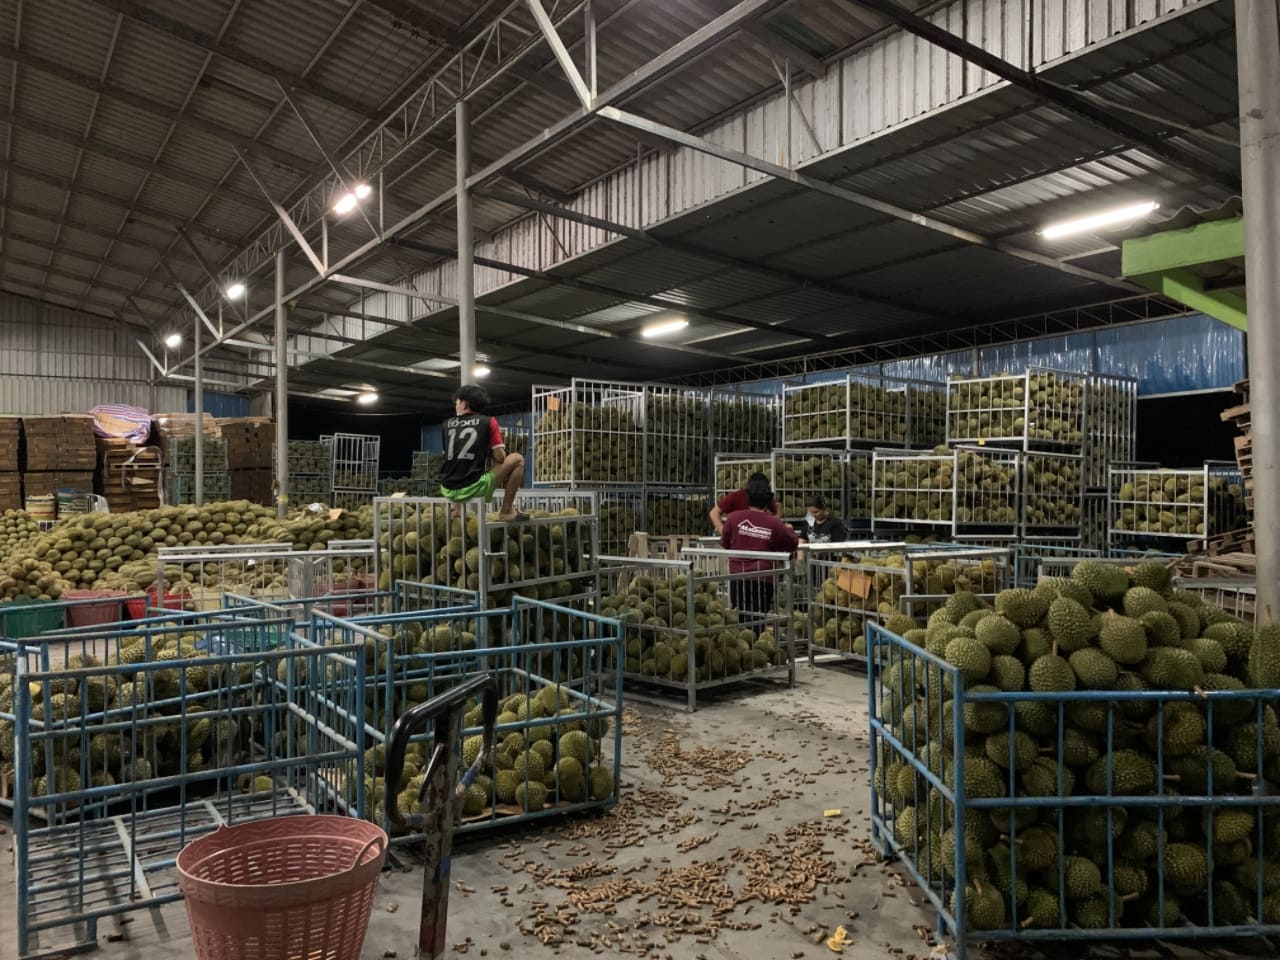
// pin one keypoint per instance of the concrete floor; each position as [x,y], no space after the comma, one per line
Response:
[718,849]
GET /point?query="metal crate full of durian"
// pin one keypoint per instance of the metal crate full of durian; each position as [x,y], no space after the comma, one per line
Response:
[1090,759]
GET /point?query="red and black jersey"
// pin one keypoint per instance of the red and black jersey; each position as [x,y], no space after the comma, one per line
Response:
[468,439]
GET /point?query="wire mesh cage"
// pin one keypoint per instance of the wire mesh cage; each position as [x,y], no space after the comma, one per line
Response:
[744,421]
[206,576]
[621,515]
[559,731]
[709,618]
[912,489]
[678,513]
[926,414]
[181,455]
[857,471]
[1080,815]
[1152,503]
[856,583]
[1095,519]
[816,413]
[426,466]
[733,470]
[1040,409]
[1111,418]
[878,410]
[590,432]
[309,458]
[463,545]
[987,485]
[135,740]
[181,487]
[405,485]
[799,474]
[1052,494]
[1033,557]
[355,460]
[676,432]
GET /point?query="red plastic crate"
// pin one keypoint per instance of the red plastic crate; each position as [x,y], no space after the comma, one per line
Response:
[80,614]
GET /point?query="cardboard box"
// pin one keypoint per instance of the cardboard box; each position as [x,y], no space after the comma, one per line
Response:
[63,443]
[44,483]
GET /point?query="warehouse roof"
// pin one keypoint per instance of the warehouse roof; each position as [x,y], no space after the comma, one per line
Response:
[120,177]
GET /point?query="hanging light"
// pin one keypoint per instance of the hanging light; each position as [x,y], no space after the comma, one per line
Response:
[481,371]
[235,291]
[367,398]
[1107,218]
[664,327]
[173,341]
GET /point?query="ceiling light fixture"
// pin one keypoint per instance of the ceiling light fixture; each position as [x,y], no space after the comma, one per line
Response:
[366,398]
[173,341]
[482,371]
[235,291]
[664,327]
[363,190]
[1107,218]
[346,203]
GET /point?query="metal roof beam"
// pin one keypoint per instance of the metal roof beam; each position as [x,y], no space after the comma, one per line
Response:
[681,53]
[702,145]
[137,101]
[1071,100]
[194,37]
[693,250]
[769,41]
[656,302]
[30,124]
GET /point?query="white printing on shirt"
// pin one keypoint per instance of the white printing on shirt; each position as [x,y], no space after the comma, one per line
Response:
[749,529]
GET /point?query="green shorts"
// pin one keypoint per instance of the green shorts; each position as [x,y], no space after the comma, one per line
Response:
[482,488]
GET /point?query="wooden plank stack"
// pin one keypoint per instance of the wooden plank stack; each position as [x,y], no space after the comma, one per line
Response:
[10,463]
[1240,416]
[128,476]
[60,454]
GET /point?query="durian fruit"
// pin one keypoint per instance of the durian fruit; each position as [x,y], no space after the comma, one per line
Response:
[531,796]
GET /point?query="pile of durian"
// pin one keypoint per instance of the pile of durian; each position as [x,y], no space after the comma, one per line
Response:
[1115,862]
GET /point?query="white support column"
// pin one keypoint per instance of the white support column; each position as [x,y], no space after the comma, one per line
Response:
[466,251]
[282,393]
[1258,63]
[199,406]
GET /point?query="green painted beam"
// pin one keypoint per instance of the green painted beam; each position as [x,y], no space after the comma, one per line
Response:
[1188,289]
[1178,249]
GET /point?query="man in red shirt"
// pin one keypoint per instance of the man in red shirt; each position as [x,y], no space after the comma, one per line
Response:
[755,528]
[471,441]
[737,500]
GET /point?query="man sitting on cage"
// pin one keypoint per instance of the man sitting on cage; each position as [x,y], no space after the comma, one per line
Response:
[751,582]
[473,440]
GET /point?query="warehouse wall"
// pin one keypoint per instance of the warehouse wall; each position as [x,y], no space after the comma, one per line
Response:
[55,360]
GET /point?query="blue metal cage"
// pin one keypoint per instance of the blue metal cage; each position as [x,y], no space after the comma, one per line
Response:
[531,647]
[132,742]
[1173,850]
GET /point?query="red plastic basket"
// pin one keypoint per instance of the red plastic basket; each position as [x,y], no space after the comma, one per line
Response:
[280,889]
[82,614]
[136,608]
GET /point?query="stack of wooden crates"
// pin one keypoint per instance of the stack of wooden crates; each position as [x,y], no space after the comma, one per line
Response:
[249,446]
[60,454]
[10,452]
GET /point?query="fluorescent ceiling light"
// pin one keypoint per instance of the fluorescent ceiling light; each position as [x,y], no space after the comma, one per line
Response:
[235,291]
[363,190]
[366,398]
[481,370]
[346,203]
[664,327]
[173,340]
[1107,218]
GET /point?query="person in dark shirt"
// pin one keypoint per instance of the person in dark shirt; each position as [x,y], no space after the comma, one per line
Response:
[751,583]
[737,500]
[472,441]
[819,525]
